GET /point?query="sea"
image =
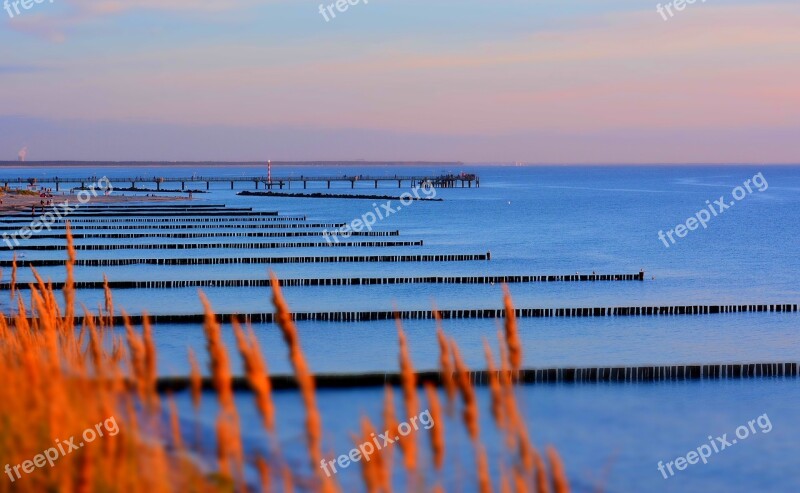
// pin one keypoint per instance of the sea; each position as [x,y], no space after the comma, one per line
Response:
[534,220]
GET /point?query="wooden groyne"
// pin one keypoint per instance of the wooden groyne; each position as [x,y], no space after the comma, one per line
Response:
[168,205]
[144,210]
[216,234]
[345,196]
[114,227]
[174,214]
[116,262]
[156,205]
[78,220]
[195,246]
[341,281]
[532,376]
[491,313]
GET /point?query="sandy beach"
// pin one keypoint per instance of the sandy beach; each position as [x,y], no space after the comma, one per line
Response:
[17,202]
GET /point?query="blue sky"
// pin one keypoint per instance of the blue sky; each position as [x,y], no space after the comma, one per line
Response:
[530,81]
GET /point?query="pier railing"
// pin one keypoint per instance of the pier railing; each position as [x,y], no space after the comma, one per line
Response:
[448,180]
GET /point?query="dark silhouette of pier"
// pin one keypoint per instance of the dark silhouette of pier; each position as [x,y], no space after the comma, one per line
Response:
[448,180]
[531,376]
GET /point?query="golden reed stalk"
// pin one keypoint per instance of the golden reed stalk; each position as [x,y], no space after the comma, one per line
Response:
[437,432]
[512,334]
[255,368]
[495,389]
[470,413]
[408,379]
[389,423]
[305,381]
[446,363]
[195,379]
[59,379]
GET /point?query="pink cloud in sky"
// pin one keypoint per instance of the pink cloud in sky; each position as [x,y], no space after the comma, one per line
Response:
[716,69]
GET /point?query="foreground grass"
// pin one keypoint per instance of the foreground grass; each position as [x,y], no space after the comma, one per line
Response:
[60,381]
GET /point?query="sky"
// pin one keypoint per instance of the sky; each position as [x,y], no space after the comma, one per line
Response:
[493,81]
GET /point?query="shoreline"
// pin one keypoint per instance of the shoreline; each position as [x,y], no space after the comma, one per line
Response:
[15,202]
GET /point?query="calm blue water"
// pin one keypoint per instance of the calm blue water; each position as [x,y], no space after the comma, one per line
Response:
[534,221]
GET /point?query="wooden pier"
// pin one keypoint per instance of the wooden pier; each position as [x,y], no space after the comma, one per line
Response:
[463,180]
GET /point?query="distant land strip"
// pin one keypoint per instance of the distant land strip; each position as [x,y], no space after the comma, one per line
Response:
[591,375]
[341,281]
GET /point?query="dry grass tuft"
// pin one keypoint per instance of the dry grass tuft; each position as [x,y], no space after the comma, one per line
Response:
[59,379]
